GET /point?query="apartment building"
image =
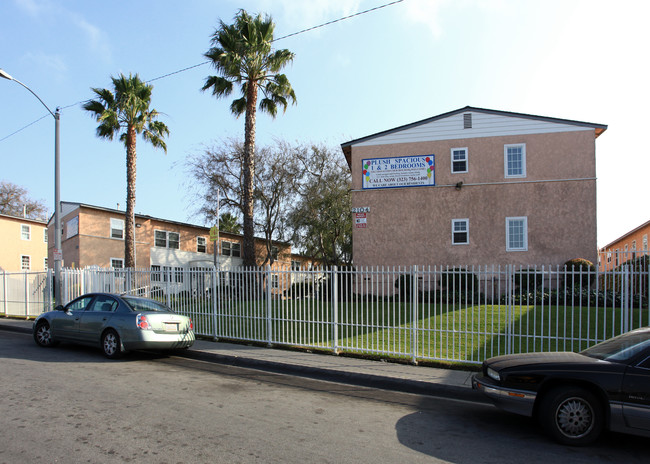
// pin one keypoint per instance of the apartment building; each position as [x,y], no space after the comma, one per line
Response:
[475,186]
[24,244]
[628,246]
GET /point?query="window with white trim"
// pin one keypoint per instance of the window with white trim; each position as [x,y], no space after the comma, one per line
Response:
[25,232]
[645,242]
[117,263]
[45,236]
[459,160]
[164,239]
[117,228]
[231,249]
[460,231]
[516,234]
[24,262]
[201,245]
[275,251]
[514,156]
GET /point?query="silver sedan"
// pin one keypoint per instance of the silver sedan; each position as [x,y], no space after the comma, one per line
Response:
[116,323]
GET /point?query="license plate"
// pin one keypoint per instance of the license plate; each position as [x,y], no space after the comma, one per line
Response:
[171,326]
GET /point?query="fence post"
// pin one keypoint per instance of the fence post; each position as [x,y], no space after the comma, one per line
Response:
[414,315]
[215,299]
[269,325]
[625,299]
[4,291]
[509,304]
[335,310]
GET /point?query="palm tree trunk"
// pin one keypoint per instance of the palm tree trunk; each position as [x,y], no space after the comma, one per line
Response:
[249,175]
[129,248]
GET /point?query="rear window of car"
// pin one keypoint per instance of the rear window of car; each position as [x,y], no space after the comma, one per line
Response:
[140,304]
[621,348]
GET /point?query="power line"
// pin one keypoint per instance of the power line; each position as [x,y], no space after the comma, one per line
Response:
[206,62]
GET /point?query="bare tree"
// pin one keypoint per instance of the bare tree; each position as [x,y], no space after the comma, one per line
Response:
[321,220]
[14,201]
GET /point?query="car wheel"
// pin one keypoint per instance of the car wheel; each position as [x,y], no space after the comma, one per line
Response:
[43,334]
[572,416]
[111,344]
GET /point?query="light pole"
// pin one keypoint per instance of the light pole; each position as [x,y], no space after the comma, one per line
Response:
[57,192]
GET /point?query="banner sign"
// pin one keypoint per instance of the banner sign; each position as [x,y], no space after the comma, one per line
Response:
[403,171]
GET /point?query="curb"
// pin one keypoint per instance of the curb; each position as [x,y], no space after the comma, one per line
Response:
[331,375]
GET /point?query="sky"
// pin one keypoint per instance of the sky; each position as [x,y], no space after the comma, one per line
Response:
[569,59]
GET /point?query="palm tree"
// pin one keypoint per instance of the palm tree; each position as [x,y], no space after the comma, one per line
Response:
[241,53]
[228,223]
[127,112]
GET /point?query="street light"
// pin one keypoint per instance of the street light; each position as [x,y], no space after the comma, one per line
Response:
[57,192]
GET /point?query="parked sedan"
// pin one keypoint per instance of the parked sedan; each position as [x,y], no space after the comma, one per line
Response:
[577,395]
[116,323]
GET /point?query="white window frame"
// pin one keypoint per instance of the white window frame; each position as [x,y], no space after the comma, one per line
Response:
[523,160]
[44,235]
[25,232]
[201,242]
[524,221]
[168,241]
[115,261]
[25,259]
[464,221]
[117,225]
[229,249]
[465,159]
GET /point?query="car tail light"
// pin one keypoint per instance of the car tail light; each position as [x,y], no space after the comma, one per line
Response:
[191,324]
[142,322]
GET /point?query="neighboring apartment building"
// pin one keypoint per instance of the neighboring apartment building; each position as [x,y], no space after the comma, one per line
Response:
[625,248]
[24,244]
[94,236]
[475,187]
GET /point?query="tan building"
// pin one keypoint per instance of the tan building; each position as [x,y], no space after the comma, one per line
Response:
[24,244]
[94,236]
[625,248]
[475,187]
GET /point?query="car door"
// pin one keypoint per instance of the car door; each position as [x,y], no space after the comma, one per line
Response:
[95,317]
[66,325]
[636,395]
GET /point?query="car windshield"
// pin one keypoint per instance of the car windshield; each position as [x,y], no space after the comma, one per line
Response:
[621,348]
[142,304]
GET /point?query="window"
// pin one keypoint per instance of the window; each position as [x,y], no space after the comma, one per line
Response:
[231,249]
[275,281]
[25,232]
[79,304]
[117,228]
[45,235]
[275,251]
[458,160]
[201,245]
[460,231]
[45,263]
[117,263]
[104,303]
[295,265]
[24,263]
[645,242]
[515,160]
[178,274]
[164,239]
[155,273]
[516,234]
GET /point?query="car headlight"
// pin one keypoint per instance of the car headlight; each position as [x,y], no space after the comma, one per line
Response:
[494,375]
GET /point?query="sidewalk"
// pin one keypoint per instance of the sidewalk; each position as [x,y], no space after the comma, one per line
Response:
[343,369]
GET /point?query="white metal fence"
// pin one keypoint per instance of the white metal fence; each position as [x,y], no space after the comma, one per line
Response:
[419,313]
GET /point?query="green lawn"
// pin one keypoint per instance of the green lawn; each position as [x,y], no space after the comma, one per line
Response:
[462,333]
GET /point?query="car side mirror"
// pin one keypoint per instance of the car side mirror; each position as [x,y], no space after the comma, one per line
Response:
[59,308]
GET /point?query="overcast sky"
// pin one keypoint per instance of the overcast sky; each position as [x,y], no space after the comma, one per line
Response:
[572,59]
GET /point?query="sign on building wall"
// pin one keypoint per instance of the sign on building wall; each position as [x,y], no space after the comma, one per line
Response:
[360,220]
[403,171]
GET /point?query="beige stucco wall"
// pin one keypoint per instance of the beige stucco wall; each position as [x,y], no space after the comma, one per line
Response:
[409,226]
[13,246]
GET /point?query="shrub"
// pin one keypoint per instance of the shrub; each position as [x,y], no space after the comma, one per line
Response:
[580,273]
[528,279]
